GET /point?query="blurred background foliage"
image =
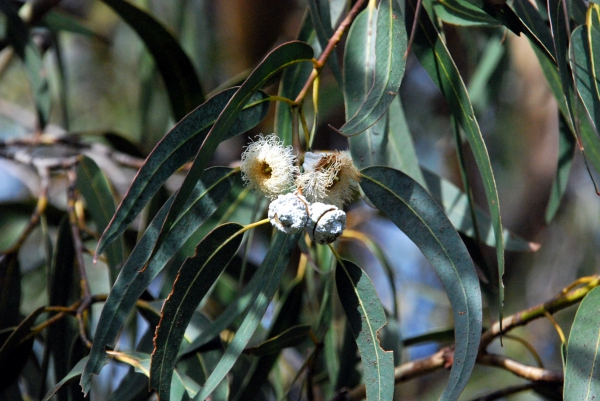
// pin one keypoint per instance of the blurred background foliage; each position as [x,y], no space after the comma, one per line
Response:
[105,87]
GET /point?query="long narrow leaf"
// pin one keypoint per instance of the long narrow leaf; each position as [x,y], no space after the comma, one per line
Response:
[390,46]
[174,150]
[176,69]
[270,272]
[366,318]
[101,206]
[582,373]
[413,210]
[437,61]
[17,35]
[196,276]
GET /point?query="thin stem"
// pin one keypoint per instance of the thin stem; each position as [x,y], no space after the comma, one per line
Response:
[333,41]
[77,244]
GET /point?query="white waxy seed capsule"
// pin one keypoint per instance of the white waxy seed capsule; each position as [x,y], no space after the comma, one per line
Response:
[326,223]
[289,213]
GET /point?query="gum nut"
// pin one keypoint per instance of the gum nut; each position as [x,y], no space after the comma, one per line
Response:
[289,213]
[326,224]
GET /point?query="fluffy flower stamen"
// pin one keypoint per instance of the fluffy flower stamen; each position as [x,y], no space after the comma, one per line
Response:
[268,167]
[329,178]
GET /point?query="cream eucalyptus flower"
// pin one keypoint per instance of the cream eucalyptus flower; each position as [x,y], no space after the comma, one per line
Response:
[268,167]
[329,178]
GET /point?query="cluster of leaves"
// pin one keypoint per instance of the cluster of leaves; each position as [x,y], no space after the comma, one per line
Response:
[182,354]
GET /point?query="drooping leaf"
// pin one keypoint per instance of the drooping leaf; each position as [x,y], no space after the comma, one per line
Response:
[17,35]
[10,296]
[16,349]
[278,59]
[413,210]
[390,46]
[463,13]
[270,273]
[456,206]
[183,87]
[582,373]
[73,375]
[366,318]
[283,333]
[560,34]
[140,269]
[60,334]
[437,61]
[195,278]
[566,150]
[101,206]
[174,150]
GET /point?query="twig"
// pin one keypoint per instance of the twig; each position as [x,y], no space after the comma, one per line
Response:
[333,41]
[561,301]
[531,373]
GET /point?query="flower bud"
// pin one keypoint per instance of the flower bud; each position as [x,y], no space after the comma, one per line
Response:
[326,223]
[289,213]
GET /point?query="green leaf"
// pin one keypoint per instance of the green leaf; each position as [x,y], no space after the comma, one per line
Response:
[196,276]
[288,338]
[533,21]
[456,206]
[283,333]
[16,349]
[10,296]
[73,375]
[366,317]
[582,373]
[560,34]
[61,293]
[101,206]
[17,35]
[437,61]
[138,271]
[463,13]
[183,87]
[281,57]
[174,150]
[270,273]
[390,46]
[58,20]
[413,210]
[566,151]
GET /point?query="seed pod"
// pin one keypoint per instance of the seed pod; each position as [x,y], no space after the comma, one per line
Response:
[326,223]
[289,213]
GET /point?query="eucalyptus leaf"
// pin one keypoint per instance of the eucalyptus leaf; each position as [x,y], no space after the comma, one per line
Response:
[270,273]
[196,276]
[437,61]
[178,73]
[390,46]
[101,205]
[366,317]
[582,373]
[413,210]
[174,150]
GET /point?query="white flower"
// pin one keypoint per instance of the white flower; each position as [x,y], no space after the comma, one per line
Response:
[268,167]
[326,223]
[329,178]
[289,213]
